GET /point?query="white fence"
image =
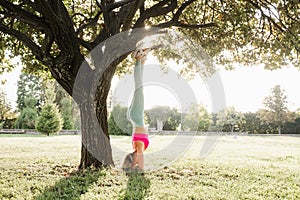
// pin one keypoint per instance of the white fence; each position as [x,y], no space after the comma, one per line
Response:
[152,132]
[33,131]
[78,132]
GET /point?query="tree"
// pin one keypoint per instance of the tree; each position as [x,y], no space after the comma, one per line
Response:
[66,113]
[60,94]
[28,115]
[29,85]
[5,109]
[296,123]
[118,123]
[50,120]
[251,123]
[197,119]
[229,117]
[173,120]
[54,36]
[169,117]
[292,127]
[276,110]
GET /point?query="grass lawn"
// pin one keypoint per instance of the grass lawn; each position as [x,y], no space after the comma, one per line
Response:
[245,167]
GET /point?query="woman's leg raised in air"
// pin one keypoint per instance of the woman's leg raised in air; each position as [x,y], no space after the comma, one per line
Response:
[140,139]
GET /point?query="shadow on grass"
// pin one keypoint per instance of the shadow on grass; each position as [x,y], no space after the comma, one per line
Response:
[70,188]
[137,187]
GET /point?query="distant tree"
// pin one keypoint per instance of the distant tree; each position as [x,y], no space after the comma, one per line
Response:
[173,120]
[113,127]
[28,115]
[297,126]
[60,94]
[253,124]
[66,113]
[276,111]
[169,117]
[197,119]
[293,127]
[29,85]
[214,119]
[5,107]
[229,117]
[76,116]
[157,113]
[118,123]
[50,120]
[6,112]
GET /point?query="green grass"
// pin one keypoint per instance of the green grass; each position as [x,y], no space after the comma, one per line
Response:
[238,168]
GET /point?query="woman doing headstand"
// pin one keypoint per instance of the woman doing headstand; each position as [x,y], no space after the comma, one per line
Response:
[135,112]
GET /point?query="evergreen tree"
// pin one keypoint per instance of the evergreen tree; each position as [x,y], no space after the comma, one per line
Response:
[66,113]
[28,115]
[76,116]
[50,120]
[113,128]
[29,85]
[118,123]
[60,94]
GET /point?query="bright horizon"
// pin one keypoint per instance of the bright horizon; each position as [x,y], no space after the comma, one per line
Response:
[245,88]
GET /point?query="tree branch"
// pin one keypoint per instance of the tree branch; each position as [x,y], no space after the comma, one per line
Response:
[176,22]
[118,4]
[32,4]
[195,26]
[85,44]
[127,13]
[156,10]
[36,50]
[23,15]
[90,22]
[266,16]
[181,9]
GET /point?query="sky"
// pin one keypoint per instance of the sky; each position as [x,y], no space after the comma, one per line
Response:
[244,88]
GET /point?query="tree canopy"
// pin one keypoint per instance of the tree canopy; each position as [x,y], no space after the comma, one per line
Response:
[48,34]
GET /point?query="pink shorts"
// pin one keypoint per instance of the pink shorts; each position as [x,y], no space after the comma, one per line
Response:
[141,137]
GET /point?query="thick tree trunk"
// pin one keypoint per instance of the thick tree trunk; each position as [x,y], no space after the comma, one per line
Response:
[96,149]
[91,94]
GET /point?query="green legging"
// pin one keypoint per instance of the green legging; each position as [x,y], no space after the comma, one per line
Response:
[136,110]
